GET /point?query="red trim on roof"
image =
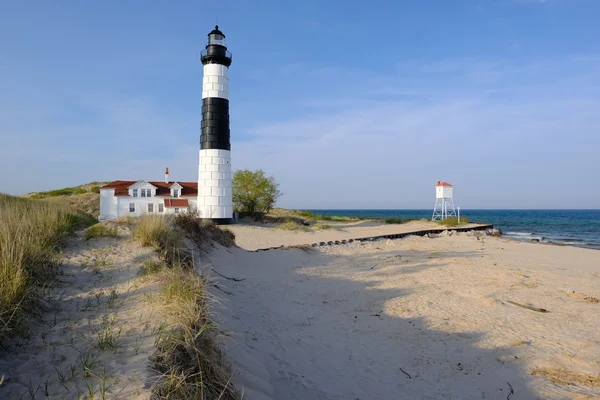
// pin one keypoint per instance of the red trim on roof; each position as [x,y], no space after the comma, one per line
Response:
[162,188]
[176,203]
[443,184]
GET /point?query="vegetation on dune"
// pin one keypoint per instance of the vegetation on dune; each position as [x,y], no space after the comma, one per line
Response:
[293,226]
[31,234]
[187,356]
[92,187]
[453,221]
[337,218]
[82,198]
[253,192]
[100,230]
[398,220]
[322,227]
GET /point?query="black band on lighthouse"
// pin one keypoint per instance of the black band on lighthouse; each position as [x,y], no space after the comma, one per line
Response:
[215,124]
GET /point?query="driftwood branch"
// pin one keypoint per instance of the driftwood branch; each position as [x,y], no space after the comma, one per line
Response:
[511,391]
[405,373]
[542,310]
[228,278]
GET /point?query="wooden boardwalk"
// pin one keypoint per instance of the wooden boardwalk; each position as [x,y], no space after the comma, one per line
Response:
[424,232]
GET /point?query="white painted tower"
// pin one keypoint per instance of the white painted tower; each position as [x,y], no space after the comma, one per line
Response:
[444,202]
[214,171]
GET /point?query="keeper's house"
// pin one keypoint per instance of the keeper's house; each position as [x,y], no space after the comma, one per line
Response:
[135,198]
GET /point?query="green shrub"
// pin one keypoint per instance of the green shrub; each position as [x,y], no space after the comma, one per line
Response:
[100,230]
[253,192]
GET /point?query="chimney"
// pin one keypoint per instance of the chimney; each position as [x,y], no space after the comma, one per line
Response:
[438,182]
[167,175]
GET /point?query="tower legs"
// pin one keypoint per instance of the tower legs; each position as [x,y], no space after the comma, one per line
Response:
[444,208]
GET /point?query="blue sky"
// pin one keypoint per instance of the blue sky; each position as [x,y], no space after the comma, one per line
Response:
[349,104]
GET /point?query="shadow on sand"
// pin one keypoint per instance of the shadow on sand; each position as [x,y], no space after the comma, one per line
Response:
[331,337]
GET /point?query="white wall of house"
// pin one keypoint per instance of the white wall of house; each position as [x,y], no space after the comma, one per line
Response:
[112,207]
[108,204]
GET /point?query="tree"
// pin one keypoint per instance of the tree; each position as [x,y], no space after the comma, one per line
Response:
[253,192]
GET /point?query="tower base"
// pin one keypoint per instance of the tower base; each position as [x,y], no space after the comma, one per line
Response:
[444,208]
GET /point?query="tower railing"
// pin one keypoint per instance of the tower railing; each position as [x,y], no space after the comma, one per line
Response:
[204,53]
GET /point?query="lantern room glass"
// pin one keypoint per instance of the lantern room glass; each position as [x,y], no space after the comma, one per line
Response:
[215,38]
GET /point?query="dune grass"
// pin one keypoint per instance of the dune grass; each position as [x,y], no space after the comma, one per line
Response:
[100,230]
[187,355]
[453,221]
[82,198]
[31,234]
[92,187]
[293,226]
[398,220]
[322,227]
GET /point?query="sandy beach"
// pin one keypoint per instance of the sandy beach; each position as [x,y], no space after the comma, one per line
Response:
[95,329]
[415,318]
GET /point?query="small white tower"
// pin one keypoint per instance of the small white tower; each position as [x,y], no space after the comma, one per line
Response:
[444,204]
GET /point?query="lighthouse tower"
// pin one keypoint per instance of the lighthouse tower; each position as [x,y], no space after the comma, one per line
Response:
[444,203]
[214,170]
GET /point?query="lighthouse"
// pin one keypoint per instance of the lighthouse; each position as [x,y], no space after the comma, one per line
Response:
[214,169]
[444,202]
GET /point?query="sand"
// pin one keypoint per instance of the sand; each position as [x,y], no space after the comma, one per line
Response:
[97,329]
[415,318]
[257,236]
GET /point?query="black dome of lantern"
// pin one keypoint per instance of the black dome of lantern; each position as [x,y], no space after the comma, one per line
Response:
[216,51]
[216,31]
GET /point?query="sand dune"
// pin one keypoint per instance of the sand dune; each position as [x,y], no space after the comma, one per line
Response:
[416,318]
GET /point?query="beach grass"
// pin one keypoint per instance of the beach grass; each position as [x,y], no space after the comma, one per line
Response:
[453,221]
[31,235]
[92,187]
[83,198]
[322,227]
[293,226]
[398,220]
[187,356]
[100,230]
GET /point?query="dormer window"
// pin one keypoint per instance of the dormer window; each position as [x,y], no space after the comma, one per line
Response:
[134,192]
[175,192]
[143,193]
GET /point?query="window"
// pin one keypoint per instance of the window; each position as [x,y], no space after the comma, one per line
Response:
[132,207]
[175,193]
[143,194]
[161,208]
[176,210]
[150,207]
[134,192]
[148,192]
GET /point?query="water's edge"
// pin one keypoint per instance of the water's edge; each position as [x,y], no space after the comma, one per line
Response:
[579,228]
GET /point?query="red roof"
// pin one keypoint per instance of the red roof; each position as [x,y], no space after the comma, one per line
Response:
[176,203]
[162,188]
[443,184]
